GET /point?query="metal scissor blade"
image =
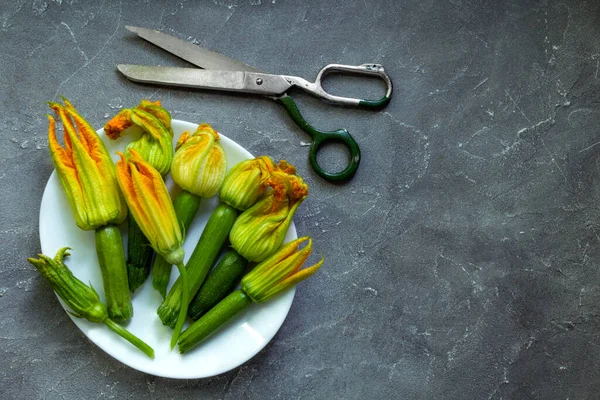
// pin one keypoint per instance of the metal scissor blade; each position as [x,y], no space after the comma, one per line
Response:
[190,52]
[233,81]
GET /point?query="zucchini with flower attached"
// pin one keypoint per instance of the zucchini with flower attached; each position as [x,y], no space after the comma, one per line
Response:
[155,145]
[83,300]
[198,168]
[243,186]
[277,273]
[88,177]
[149,202]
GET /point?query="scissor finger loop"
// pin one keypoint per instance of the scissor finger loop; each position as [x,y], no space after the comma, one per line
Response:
[316,87]
[340,136]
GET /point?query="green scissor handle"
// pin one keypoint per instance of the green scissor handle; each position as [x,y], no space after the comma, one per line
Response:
[341,135]
[321,137]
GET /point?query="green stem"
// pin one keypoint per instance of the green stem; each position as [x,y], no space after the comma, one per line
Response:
[186,205]
[207,249]
[130,337]
[111,257]
[185,300]
[213,320]
[139,255]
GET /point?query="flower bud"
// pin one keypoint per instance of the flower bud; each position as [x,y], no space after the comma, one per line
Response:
[200,163]
[280,271]
[155,144]
[122,120]
[246,182]
[149,202]
[259,231]
[86,171]
[83,300]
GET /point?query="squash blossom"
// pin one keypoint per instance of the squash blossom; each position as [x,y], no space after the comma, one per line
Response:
[199,164]
[83,300]
[122,120]
[86,171]
[150,204]
[279,272]
[259,231]
[88,176]
[246,182]
[156,147]
[156,142]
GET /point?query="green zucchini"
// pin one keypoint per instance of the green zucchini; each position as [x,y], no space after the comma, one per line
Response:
[207,249]
[213,320]
[139,255]
[219,283]
[111,257]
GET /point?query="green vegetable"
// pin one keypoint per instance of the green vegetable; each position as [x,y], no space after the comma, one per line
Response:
[87,175]
[219,283]
[139,255]
[83,300]
[150,203]
[279,272]
[155,145]
[186,205]
[111,257]
[212,239]
[213,320]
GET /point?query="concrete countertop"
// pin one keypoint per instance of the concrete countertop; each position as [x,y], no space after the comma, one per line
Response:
[461,262]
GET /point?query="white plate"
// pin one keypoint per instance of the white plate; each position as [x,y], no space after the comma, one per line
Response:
[239,341]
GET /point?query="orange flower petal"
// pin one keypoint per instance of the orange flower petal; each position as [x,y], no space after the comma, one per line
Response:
[118,124]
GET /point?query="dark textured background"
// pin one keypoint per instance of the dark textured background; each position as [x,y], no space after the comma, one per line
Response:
[462,261]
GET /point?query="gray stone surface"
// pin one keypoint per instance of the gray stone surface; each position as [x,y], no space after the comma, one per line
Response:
[462,261]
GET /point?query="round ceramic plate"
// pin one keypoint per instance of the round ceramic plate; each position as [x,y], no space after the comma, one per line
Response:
[236,343]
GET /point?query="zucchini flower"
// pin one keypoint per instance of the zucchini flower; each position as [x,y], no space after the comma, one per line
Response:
[280,271]
[247,182]
[122,120]
[156,142]
[259,231]
[86,171]
[88,176]
[199,164]
[83,300]
[150,204]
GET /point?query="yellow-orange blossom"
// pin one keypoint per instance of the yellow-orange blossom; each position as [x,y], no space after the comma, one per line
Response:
[199,164]
[149,202]
[86,171]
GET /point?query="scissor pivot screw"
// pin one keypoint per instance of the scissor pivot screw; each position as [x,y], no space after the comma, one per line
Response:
[259,81]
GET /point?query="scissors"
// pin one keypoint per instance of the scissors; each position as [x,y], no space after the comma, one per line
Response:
[220,72]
